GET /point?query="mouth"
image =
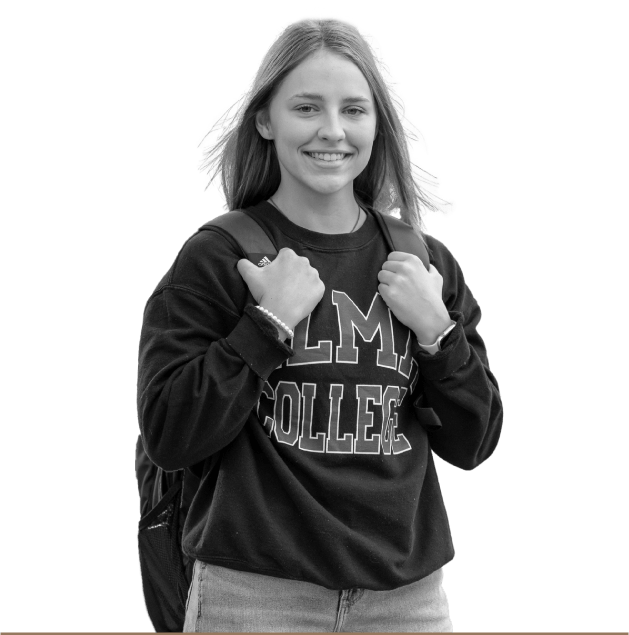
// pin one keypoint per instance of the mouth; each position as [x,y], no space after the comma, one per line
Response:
[329,158]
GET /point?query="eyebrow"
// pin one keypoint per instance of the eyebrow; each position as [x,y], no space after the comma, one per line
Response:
[317,97]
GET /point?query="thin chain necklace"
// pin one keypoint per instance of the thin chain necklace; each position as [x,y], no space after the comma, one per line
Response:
[279,210]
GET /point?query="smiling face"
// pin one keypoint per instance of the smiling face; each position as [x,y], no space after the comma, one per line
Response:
[322,120]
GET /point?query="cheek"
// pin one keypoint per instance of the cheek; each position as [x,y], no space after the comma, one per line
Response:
[366,133]
[366,140]
[292,136]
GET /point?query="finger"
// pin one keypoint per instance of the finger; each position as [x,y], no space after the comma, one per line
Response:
[433,272]
[245,267]
[285,252]
[383,290]
[393,265]
[386,277]
[400,256]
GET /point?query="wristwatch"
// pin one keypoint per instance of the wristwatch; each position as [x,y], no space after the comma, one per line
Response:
[436,346]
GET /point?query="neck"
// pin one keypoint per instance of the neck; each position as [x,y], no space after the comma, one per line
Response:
[329,214]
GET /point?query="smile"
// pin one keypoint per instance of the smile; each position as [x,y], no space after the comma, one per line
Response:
[328,157]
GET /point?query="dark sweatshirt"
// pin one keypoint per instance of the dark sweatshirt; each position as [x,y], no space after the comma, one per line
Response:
[316,457]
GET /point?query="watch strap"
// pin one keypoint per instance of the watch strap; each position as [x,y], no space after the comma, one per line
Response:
[435,347]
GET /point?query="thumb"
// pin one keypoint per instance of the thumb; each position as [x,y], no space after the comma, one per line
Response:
[246,268]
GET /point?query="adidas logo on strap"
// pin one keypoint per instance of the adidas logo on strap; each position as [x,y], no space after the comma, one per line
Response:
[264,262]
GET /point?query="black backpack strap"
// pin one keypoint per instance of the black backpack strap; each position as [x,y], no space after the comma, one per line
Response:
[248,233]
[402,237]
[254,241]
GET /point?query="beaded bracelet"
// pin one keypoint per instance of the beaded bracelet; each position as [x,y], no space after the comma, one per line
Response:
[276,320]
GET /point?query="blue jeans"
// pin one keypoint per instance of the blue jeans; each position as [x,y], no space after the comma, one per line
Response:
[226,600]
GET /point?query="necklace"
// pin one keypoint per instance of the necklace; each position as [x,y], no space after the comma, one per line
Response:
[357,219]
[350,231]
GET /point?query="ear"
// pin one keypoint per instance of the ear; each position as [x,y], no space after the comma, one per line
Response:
[264,125]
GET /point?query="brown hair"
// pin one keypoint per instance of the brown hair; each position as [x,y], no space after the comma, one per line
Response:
[247,162]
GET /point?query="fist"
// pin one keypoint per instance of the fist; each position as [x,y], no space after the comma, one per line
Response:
[413,294]
[289,287]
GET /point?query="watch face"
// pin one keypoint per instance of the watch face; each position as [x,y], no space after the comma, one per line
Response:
[445,334]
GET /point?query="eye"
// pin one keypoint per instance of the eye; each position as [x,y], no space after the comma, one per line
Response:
[305,108]
[354,111]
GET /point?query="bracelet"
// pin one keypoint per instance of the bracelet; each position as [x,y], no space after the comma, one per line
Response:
[276,320]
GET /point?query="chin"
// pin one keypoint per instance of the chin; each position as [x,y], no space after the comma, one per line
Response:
[330,187]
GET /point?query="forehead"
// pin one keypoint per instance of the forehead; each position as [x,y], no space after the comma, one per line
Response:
[326,74]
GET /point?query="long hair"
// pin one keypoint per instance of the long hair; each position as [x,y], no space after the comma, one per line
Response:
[247,163]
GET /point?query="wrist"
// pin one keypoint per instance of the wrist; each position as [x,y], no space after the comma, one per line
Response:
[282,311]
[282,335]
[435,346]
[427,334]
[283,330]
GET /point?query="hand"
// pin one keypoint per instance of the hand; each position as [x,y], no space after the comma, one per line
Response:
[289,287]
[414,295]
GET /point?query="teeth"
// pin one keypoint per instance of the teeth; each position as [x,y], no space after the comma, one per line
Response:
[325,156]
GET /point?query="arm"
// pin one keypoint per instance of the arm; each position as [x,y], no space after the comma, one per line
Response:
[460,404]
[205,353]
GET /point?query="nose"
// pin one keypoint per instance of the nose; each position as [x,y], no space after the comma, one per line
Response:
[331,128]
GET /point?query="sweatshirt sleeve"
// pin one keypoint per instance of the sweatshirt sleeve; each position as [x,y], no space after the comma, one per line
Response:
[205,353]
[459,403]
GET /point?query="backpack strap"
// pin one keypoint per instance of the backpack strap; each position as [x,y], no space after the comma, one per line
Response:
[254,241]
[402,237]
[248,233]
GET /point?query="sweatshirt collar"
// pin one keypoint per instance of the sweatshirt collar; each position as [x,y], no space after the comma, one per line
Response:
[354,240]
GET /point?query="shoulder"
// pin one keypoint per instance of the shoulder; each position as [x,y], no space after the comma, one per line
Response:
[455,290]
[206,266]
[209,249]
[440,256]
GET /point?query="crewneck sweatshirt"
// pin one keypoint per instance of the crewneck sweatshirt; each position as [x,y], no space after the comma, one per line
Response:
[315,455]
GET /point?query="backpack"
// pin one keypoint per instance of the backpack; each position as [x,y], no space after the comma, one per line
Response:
[165,497]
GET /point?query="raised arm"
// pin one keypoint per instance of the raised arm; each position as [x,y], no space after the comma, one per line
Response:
[460,405]
[205,353]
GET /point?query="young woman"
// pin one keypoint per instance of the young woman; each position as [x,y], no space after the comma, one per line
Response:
[312,413]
